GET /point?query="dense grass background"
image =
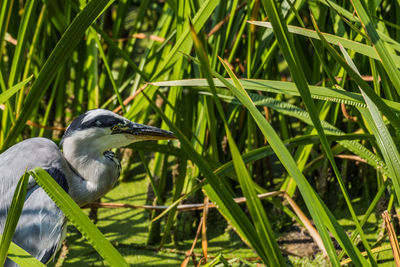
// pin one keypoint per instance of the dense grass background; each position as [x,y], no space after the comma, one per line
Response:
[297,101]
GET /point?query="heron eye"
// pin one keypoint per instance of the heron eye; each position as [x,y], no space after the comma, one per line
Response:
[114,128]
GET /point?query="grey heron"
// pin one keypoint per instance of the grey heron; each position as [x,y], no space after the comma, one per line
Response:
[85,168]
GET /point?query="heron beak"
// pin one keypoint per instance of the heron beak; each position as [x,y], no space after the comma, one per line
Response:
[142,132]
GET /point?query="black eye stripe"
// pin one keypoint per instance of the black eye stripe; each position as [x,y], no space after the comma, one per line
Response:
[100,121]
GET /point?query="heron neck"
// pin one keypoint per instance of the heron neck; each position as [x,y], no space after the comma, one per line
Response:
[93,174]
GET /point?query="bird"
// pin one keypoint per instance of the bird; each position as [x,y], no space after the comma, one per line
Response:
[85,168]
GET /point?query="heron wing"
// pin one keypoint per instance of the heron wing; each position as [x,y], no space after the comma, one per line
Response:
[41,227]
[42,224]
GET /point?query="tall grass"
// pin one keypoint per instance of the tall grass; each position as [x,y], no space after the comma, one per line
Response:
[241,84]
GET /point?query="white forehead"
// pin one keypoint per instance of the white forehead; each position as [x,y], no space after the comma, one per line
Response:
[91,114]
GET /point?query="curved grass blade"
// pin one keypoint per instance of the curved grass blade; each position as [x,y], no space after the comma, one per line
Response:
[379,45]
[294,111]
[257,212]
[383,107]
[256,154]
[347,15]
[11,91]
[215,189]
[367,213]
[319,212]
[290,88]
[260,219]
[21,257]
[217,261]
[292,58]
[13,215]
[325,93]
[74,213]
[384,139]
[363,49]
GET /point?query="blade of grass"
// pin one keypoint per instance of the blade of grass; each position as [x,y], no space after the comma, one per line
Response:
[385,141]
[61,52]
[5,14]
[21,257]
[378,44]
[369,211]
[27,20]
[184,43]
[13,215]
[73,212]
[286,43]
[321,215]
[216,189]
[317,92]
[11,91]
[121,52]
[378,101]
[198,21]
[110,76]
[360,48]
[151,178]
[257,212]
[27,64]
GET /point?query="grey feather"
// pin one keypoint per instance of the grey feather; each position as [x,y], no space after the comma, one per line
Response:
[40,226]
[85,169]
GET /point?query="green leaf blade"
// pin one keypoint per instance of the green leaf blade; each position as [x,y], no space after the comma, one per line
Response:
[73,212]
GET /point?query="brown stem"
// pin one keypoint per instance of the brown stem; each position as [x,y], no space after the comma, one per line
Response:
[52,128]
[204,243]
[190,251]
[131,98]
[222,22]
[392,237]
[346,114]
[142,36]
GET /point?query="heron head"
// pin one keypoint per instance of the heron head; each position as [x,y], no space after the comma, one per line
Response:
[103,130]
